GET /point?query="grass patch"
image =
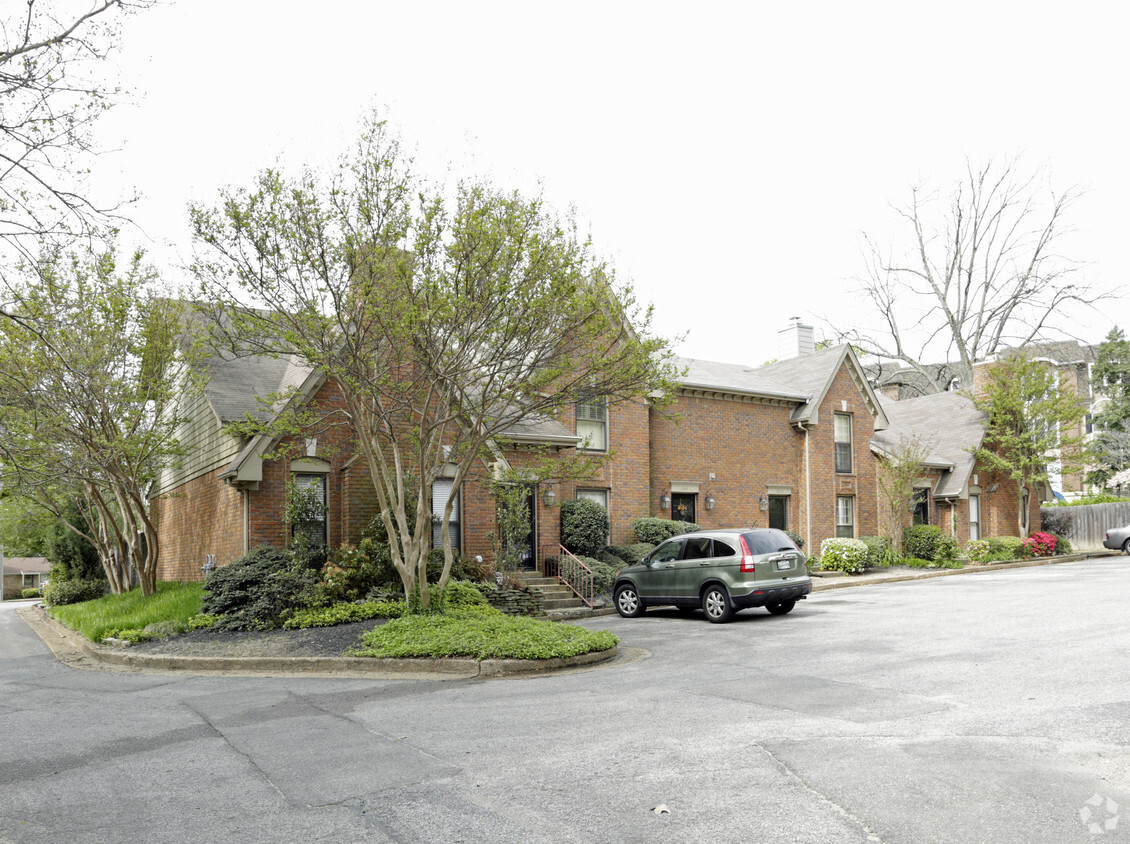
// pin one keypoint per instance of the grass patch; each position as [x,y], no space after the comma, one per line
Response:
[482,633]
[174,603]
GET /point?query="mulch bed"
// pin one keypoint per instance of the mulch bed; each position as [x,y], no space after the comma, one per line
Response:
[313,641]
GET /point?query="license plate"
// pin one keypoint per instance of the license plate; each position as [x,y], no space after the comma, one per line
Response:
[784,565]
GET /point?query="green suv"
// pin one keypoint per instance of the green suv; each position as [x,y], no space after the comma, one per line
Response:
[721,571]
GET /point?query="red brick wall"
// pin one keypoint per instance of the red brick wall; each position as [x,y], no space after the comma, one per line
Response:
[745,446]
[749,447]
[203,516]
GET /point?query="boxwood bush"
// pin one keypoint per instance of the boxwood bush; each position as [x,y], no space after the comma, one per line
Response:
[839,554]
[921,541]
[877,547]
[59,593]
[655,530]
[584,526]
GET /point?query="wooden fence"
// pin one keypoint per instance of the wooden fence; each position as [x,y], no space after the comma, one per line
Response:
[1088,522]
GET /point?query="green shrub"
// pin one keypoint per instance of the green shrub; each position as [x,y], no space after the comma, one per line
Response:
[1097,498]
[920,541]
[797,539]
[840,554]
[255,591]
[1062,545]
[348,574]
[877,547]
[945,550]
[60,593]
[639,550]
[624,553]
[462,593]
[655,530]
[584,526]
[603,574]
[978,550]
[1006,547]
[344,614]
[30,593]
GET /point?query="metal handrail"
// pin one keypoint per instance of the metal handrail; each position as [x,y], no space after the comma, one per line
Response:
[576,575]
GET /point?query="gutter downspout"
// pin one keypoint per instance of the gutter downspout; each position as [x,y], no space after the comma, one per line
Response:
[807,490]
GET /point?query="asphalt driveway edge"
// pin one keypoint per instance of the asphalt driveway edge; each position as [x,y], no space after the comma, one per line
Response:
[77,651]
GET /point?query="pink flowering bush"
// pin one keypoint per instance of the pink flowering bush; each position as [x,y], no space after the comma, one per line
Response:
[1040,544]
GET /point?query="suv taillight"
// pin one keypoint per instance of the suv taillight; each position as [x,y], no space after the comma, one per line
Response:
[747,557]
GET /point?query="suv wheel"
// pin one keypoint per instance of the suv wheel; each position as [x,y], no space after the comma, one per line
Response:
[783,608]
[628,602]
[716,605]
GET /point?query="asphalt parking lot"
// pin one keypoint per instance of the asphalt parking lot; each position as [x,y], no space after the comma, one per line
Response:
[986,707]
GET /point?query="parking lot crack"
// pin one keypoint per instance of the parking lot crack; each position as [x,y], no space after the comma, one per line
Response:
[823,798]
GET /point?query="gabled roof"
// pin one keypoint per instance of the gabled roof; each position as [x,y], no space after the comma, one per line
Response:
[26,565]
[803,381]
[235,383]
[947,425]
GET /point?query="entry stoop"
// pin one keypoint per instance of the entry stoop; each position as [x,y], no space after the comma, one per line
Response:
[556,597]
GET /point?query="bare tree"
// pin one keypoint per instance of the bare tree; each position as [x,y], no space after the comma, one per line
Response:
[51,92]
[980,275]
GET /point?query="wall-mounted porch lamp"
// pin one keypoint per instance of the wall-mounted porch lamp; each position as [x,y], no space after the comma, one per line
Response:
[763,503]
[709,501]
[665,501]
[550,496]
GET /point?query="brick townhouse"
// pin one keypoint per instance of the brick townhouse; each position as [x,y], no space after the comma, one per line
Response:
[793,444]
[953,492]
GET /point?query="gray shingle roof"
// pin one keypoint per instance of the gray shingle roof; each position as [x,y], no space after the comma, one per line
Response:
[804,379]
[946,424]
[236,383]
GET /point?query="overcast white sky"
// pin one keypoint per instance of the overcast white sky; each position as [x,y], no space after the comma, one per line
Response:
[726,157]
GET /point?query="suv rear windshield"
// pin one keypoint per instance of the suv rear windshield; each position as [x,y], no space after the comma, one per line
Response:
[767,541]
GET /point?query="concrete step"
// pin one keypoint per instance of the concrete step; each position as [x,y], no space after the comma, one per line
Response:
[548,604]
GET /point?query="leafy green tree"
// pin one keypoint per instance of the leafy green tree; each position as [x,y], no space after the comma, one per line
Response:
[1109,451]
[88,378]
[1029,414]
[445,322]
[897,471]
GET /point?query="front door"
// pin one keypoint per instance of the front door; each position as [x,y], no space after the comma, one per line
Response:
[682,506]
[779,512]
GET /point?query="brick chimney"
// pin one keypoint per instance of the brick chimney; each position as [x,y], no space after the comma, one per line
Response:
[796,340]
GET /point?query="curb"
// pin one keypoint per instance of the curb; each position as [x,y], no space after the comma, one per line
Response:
[847,581]
[74,650]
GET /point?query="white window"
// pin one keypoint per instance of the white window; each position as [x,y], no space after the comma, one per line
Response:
[843,443]
[441,491]
[600,496]
[845,516]
[974,517]
[592,424]
[310,518]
